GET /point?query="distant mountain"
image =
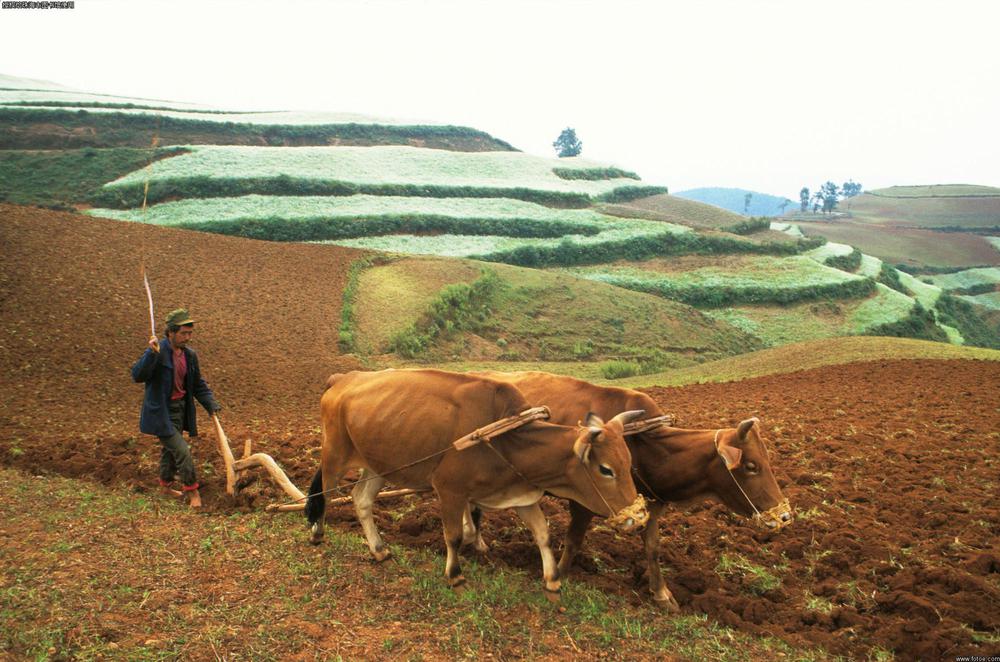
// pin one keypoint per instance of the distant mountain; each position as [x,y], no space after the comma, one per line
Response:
[734,199]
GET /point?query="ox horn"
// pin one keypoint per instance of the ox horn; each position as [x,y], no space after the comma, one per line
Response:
[627,417]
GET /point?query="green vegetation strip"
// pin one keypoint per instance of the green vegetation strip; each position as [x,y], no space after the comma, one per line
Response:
[768,280]
[125,196]
[380,166]
[594,174]
[749,226]
[62,178]
[458,307]
[850,262]
[973,326]
[125,125]
[346,335]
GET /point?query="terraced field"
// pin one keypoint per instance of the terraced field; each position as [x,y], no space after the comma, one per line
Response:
[738,279]
[425,170]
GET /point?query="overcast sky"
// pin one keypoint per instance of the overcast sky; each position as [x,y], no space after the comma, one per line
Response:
[767,95]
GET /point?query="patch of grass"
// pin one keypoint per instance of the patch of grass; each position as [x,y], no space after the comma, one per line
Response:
[749,226]
[262,593]
[850,263]
[458,307]
[594,173]
[60,179]
[976,328]
[920,323]
[346,338]
[753,577]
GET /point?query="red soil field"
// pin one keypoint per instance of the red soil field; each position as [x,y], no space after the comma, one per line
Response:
[891,466]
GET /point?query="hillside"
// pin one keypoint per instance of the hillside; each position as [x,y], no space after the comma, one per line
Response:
[734,200]
[595,224]
[921,226]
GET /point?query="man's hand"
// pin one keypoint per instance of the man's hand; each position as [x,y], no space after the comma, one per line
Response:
[154,344]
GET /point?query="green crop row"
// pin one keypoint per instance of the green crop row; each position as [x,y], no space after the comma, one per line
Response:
[890,278]
[462,306]
[714,296]
[920,323]
[849,263]
[594,174]
[962,315]
[326,228]
[130,195]
[60,179]
[120,128]
[629,193]
[567,253]
[346,335]
[748,226]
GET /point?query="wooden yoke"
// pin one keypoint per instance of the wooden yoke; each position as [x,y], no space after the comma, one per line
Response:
[497,428]
[648,424]
[267,462]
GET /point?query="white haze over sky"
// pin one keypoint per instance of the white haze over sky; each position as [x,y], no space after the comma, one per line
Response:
[766,95]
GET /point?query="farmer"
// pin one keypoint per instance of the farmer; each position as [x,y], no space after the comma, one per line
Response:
[169,368]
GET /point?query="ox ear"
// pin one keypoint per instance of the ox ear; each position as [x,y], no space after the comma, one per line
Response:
[593,421]
[731,456]
[745,426]
[585,443]
[626,417]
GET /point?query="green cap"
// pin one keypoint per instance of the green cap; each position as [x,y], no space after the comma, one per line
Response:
[179,317]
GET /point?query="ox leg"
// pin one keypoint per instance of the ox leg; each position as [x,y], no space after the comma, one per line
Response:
[452,512]
[364,495]
[472,532]
[662,596]
[535,519]
[580,519]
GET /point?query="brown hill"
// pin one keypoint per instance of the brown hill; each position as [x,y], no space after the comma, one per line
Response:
[76,318]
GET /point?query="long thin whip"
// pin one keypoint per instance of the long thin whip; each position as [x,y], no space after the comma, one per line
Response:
[142,252]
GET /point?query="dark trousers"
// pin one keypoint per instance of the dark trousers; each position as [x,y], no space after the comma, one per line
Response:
[176,455]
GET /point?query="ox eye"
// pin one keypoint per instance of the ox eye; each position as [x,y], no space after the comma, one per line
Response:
[606,471]
[751,467]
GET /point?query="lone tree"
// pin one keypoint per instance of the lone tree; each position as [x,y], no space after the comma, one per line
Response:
[746,203]
[850,189]
[829,191]
[567,143]
[804,198]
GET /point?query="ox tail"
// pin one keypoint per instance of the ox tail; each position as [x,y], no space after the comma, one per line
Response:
[316,503]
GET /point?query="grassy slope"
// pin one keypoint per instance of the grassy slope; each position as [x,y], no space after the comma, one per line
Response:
[89,572]
[67,177]
[542,315]
[810,354]
[779,325]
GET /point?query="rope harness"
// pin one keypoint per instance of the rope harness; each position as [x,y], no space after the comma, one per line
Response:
[770,515]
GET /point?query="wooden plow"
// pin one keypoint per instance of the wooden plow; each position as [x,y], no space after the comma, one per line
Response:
[236,468]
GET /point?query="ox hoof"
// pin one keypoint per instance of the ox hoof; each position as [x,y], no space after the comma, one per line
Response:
[668,605]
[381,555]
[457,582]
[552,595]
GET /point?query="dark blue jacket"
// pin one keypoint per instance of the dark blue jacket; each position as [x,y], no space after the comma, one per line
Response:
[156,369]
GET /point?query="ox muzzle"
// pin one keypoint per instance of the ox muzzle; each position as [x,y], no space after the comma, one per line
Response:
[630,518]
[775,518]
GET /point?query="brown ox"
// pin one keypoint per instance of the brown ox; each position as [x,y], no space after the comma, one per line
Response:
[401,424]
[670,464]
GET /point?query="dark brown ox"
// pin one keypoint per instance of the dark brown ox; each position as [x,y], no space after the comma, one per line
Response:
[400,425]
[669,464]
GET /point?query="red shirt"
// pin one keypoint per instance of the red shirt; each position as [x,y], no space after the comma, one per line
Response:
[180,372]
